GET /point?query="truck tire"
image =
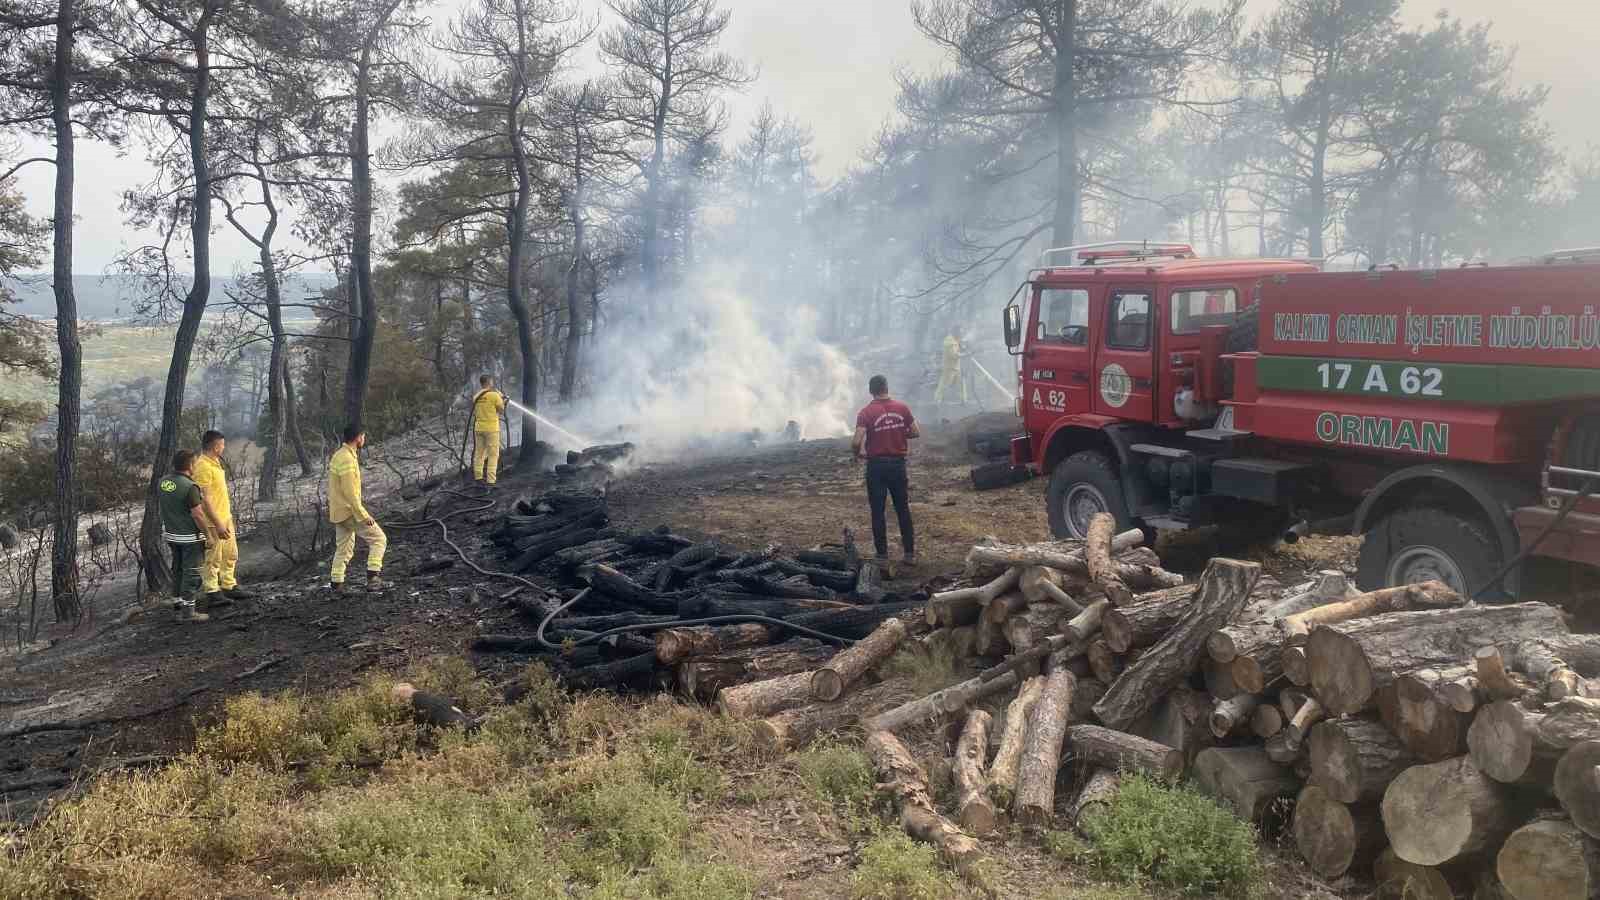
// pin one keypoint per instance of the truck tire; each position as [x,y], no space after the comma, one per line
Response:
[1244,337]
[1083,484]
[1421,543]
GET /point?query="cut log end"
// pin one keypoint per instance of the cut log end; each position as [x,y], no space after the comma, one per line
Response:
[1400,880]
[826,685]
[1331,837]
[1247,780]
[1577,785]
[1440,812]
[1266,721]
[1492,674]
[1500,742]
[1549,859]
[1420,717]
[1098,792]
[1354,760]
[1341,677]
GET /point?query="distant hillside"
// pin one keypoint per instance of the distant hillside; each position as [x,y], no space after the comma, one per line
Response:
[107,297]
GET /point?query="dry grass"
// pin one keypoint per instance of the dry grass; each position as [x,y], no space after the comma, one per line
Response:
[341,795]
[587,796]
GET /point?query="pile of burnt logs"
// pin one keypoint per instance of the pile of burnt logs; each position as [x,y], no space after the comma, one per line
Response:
[594,464]
[660,611]
[1438,747]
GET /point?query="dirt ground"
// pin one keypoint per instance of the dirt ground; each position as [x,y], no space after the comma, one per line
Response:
[129,694]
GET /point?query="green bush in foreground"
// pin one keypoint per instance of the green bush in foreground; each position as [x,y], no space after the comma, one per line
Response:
[1173,836]
[837,775]
[894,867]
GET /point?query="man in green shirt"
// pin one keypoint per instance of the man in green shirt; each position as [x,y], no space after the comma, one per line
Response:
[184,526]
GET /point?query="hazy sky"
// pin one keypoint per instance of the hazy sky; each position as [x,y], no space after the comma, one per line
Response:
[831,63]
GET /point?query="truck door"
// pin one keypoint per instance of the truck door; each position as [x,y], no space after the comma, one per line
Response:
[1057,369]
[1124,377]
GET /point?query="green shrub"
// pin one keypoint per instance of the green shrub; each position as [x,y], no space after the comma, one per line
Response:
[359,726]
[454,677]
[1176,837]
[627,824]
[894,867]
[1067,847]
[837,775]
[678,879]
[427,840]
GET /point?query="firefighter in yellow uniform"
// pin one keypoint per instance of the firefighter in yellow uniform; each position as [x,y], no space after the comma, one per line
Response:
[487,408]
[950,371]
[218,580]
[350,519]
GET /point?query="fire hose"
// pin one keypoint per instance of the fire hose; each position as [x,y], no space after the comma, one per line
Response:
[444,533]
[1584,490]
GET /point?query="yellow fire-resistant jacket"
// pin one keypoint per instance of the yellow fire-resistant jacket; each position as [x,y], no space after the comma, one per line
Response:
[213,482]
[952,354]
[486,410]
[344,486]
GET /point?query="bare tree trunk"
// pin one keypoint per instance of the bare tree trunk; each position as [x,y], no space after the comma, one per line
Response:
[1419,201]
[650,243]
[569,359]
[277,368]
[291,417]
[64,551]
[365,319]
[1065,115]
[194,305]
[1317,190]
[517,229]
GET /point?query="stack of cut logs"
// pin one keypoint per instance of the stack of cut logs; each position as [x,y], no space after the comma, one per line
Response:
[654,579]
[1442,747]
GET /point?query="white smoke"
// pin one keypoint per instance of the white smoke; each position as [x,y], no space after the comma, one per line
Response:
[720,365]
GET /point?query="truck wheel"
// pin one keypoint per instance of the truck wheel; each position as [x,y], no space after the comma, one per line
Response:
[1423,544]
[1084,484]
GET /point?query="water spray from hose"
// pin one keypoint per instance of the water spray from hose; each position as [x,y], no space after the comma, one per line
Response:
[993,380]
[579,439]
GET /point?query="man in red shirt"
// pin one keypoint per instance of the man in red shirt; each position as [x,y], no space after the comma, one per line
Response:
[883,428]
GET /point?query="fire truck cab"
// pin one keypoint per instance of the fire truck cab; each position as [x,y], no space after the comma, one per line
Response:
[1410,407]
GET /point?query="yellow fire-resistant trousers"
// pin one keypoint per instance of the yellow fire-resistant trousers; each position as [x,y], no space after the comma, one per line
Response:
[947,378]
[485,455]
[345,548]
[222,558]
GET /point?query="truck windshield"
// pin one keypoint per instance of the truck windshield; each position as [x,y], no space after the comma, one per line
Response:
[1063,316]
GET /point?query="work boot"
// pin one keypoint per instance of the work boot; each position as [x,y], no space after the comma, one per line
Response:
[910,561]
[375,583]
[336,588]
[216,598]
[238,593]
[184,611]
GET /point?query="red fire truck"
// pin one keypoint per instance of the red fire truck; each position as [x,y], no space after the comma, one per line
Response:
[1451,417]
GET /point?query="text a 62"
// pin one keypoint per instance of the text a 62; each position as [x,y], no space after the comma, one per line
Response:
[1425,382]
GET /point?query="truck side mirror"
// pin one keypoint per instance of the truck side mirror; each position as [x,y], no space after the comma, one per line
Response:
[1013,327]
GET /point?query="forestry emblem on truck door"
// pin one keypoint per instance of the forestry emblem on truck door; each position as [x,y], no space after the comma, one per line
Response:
[1115,386]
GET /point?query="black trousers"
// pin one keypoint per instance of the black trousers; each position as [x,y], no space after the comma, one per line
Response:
[886,478]
[186,561]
